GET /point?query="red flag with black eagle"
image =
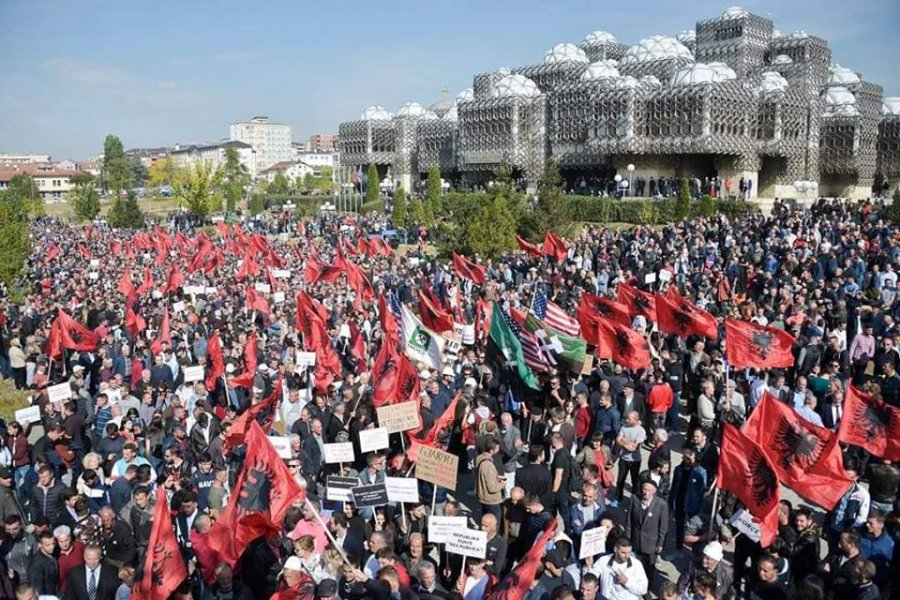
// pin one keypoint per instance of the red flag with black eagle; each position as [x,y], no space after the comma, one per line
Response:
[215,363]
[806,457]
[262,413]
[52,251]
[357,347]
[256,302]
[433,435]
[164,339]
[622,345]
[148,282]
[68,334]
[682,318]
[264,490]
[134,322]
[164,567]
[388,321]
[757,346]
[174,281]
[433,316]
[467,269]
[526,246]
[746,472]
[605,307]
[871,424]
[124,286]
[245,379]
[554,247]
[517,584]
[638,301]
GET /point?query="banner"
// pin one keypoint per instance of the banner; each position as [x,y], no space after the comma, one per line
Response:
[306,359]
[421,344]
[192,374]
[439,528]
[593,542]
[32,414]
[340,489]
[402,489]
[282,445]
[60,392]
[437,466]
[370,495]
[398,417]
[371,440]
[341,452]
[467,542]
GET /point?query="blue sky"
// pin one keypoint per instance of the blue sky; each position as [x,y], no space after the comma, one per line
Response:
[157,73]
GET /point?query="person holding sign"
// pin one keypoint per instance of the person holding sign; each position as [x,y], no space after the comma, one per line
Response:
[476,583]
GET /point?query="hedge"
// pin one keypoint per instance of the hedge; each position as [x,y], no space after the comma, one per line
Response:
[649,212]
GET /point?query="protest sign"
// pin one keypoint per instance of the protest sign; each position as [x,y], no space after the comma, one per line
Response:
[265,288]
[665,276]
[194,374]
[282,445]
[32,414]
[439,528]
[306,359]
[60,392]
[94,275]
[281,273]
[437,466]
[650,278]
[95,262]
[278,297]
[178,306]
[211,291]
[398,417]
[340,489]
[373,439]
[341,452]
[370,495]
[468,542]
[402,489]
[593,542]
[742,520]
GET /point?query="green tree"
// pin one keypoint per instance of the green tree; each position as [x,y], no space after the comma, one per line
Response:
[82,178]
[280,185]
[325,182]
[309,182]
[16,208]
[493,231]
[198,189]
[85,202]
[116,172]
[139,173]
[126,214]
[161,172]
[235,178]
[433,191]
[552,211]
[707,206]
[416,212]
[26,196]
[399,216]
[372,182]
[257,204]
[683,202]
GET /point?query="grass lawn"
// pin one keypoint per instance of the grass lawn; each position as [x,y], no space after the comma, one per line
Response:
[151,206]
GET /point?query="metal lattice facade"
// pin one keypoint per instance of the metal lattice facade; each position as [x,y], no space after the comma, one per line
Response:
[732,96]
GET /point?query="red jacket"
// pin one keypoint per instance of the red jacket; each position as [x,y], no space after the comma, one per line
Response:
[660,398]
[582,422]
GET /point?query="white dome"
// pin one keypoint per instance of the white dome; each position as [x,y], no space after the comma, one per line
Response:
[776,34]
[842,76]
[735,12]
[430,115]
[465,95]
[890,107]
[772,83]
[799,35]
[504,71]
[599,70]
[655,47]
[626,82]
[441,106]
[687,36]
[561,53]
[451,115]
[411,109]
[782,59]
[723,71]
[842,111]
[697,73]
[839,96]
[600,37]
[650,81]
[515,86]
[376,113]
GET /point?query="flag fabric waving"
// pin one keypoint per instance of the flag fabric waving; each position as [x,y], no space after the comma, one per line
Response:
[515,585]
[215,363]
[622,345]
[550,343]
[871,424]
[507,350]
[638,301]
[68,334]
[554,247]
[757,346]
[245,379]
[805,457]
[164,339]
[746,472]
[421,344]
[679,317]
[526,246]
[467,269]
[263,413]
[604,307]
[433,316]
[164,568]
[554,316]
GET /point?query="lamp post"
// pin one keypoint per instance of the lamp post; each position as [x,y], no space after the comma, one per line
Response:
[618,180]
[630,168]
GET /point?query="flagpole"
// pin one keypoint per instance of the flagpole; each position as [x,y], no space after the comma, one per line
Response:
[712,514]
[327,532]
[434,498]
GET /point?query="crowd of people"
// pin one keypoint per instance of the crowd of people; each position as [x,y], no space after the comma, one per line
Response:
[631,453]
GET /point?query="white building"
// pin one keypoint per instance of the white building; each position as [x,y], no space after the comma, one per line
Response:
[23,159]
[214,154]
[294,170]
[271,141]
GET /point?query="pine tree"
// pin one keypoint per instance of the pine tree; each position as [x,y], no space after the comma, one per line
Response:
[372,192]
[433,191]
[493,231]
[400,216]
[552,209]
[683,202]
[417,213]
[126,214]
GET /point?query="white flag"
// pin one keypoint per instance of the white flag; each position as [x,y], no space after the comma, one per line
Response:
[422,344]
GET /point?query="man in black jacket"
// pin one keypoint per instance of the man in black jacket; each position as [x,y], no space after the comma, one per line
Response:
[117,539]
[647,526]
[104,576]
[46,496]
[535,478]
[805,552]
[43,574]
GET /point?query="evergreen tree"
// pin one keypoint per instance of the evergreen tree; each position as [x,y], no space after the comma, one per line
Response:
[17,205]
[234,177]
[372,182]
[126,214]
[400,216]
[117,169]
[416,213]
[433,191]
[707,206]
[85,202]
[683,202]
[552,210]
[493,231]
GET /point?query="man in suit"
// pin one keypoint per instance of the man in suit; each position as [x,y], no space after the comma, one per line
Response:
[832,410]
[647,525]
[95,580]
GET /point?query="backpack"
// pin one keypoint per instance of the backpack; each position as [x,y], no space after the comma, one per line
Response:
[576,483]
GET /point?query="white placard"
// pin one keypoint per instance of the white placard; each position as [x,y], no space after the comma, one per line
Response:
[742,520]
[467,542]
[344,331]
[341,452]
[178,306]
[439,528]
[281,273]
[373,439]
[265,288]
[95,262]
[306,359]
[413,261]
[192,374]
[665,276]
[211,291]
[194,290]
[32,414]
[94,275]
[156,294]
[278,297]
[282,445]
[60,392]
[402,489]
[593,542]
[650,278]
[147,256]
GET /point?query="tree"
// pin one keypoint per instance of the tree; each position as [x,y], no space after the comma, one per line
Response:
[416,213]
[116,173]
[197,188]
[707,206]
[309,182]
[18,204]
[552,210]
[280,185]
[235,178]
[433,191]
[400,216]
[257,204]
[372,191]
[82,178]
[683,202]
[139,173]
[126,214]
[26,196]
[161,172]
[493,231]
[85,202]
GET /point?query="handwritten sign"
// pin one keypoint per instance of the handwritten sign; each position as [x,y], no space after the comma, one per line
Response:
[398,417]
[282,445]
[192,374]
[402,489]
[341,452]
[265,288]
[373,439]
[467,542]
[437,466]
[32,414]
[306,359]
[95,262]
[340,489]
[60,392]
[194,290]
[439,528]
[281,273]
[593,542]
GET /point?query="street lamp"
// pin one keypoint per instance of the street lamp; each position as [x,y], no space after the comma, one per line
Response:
[630,168]
[618,180]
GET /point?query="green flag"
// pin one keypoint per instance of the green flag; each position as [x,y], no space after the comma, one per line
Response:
[571,350]
[507,349]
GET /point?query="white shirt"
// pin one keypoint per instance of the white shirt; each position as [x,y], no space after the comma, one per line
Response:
[606,568]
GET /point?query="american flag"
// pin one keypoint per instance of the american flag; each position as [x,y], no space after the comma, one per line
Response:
[554,316]
[534,358]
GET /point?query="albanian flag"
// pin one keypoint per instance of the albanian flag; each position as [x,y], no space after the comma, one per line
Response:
[526,246]
[745,471]
[679,317]
[604,307]
[357,347]
[68,334]
[622,345]
[164,568]
[125,287]
[245,379]
[265,489]
[441,424]
[554,247]
[515,585]
[263,413]
[174,281]
[805,457]
[757,346]
[433,316]
[164,339]
[871,424]
[637,301]
[134,322]
[215,363]
[467,269]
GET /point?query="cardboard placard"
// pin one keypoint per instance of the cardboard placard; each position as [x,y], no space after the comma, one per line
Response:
[306,359]
[650,278]
[282,445]
[278,297]
[398,417]
[32,414]
[439,528]
[178,306]
[467,542]
[370,495]
[60,392]
[340,489]
[593,542]
[402,489]
[281,273]
[437,466]
[373,439]
[192,374]
[265,288]
[95,262]
[94,275]
[341,452]
[194,290]
[588,367]
[742,520]
[665,276]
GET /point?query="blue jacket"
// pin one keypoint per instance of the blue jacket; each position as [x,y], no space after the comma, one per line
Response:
[577,512]
[694,492]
